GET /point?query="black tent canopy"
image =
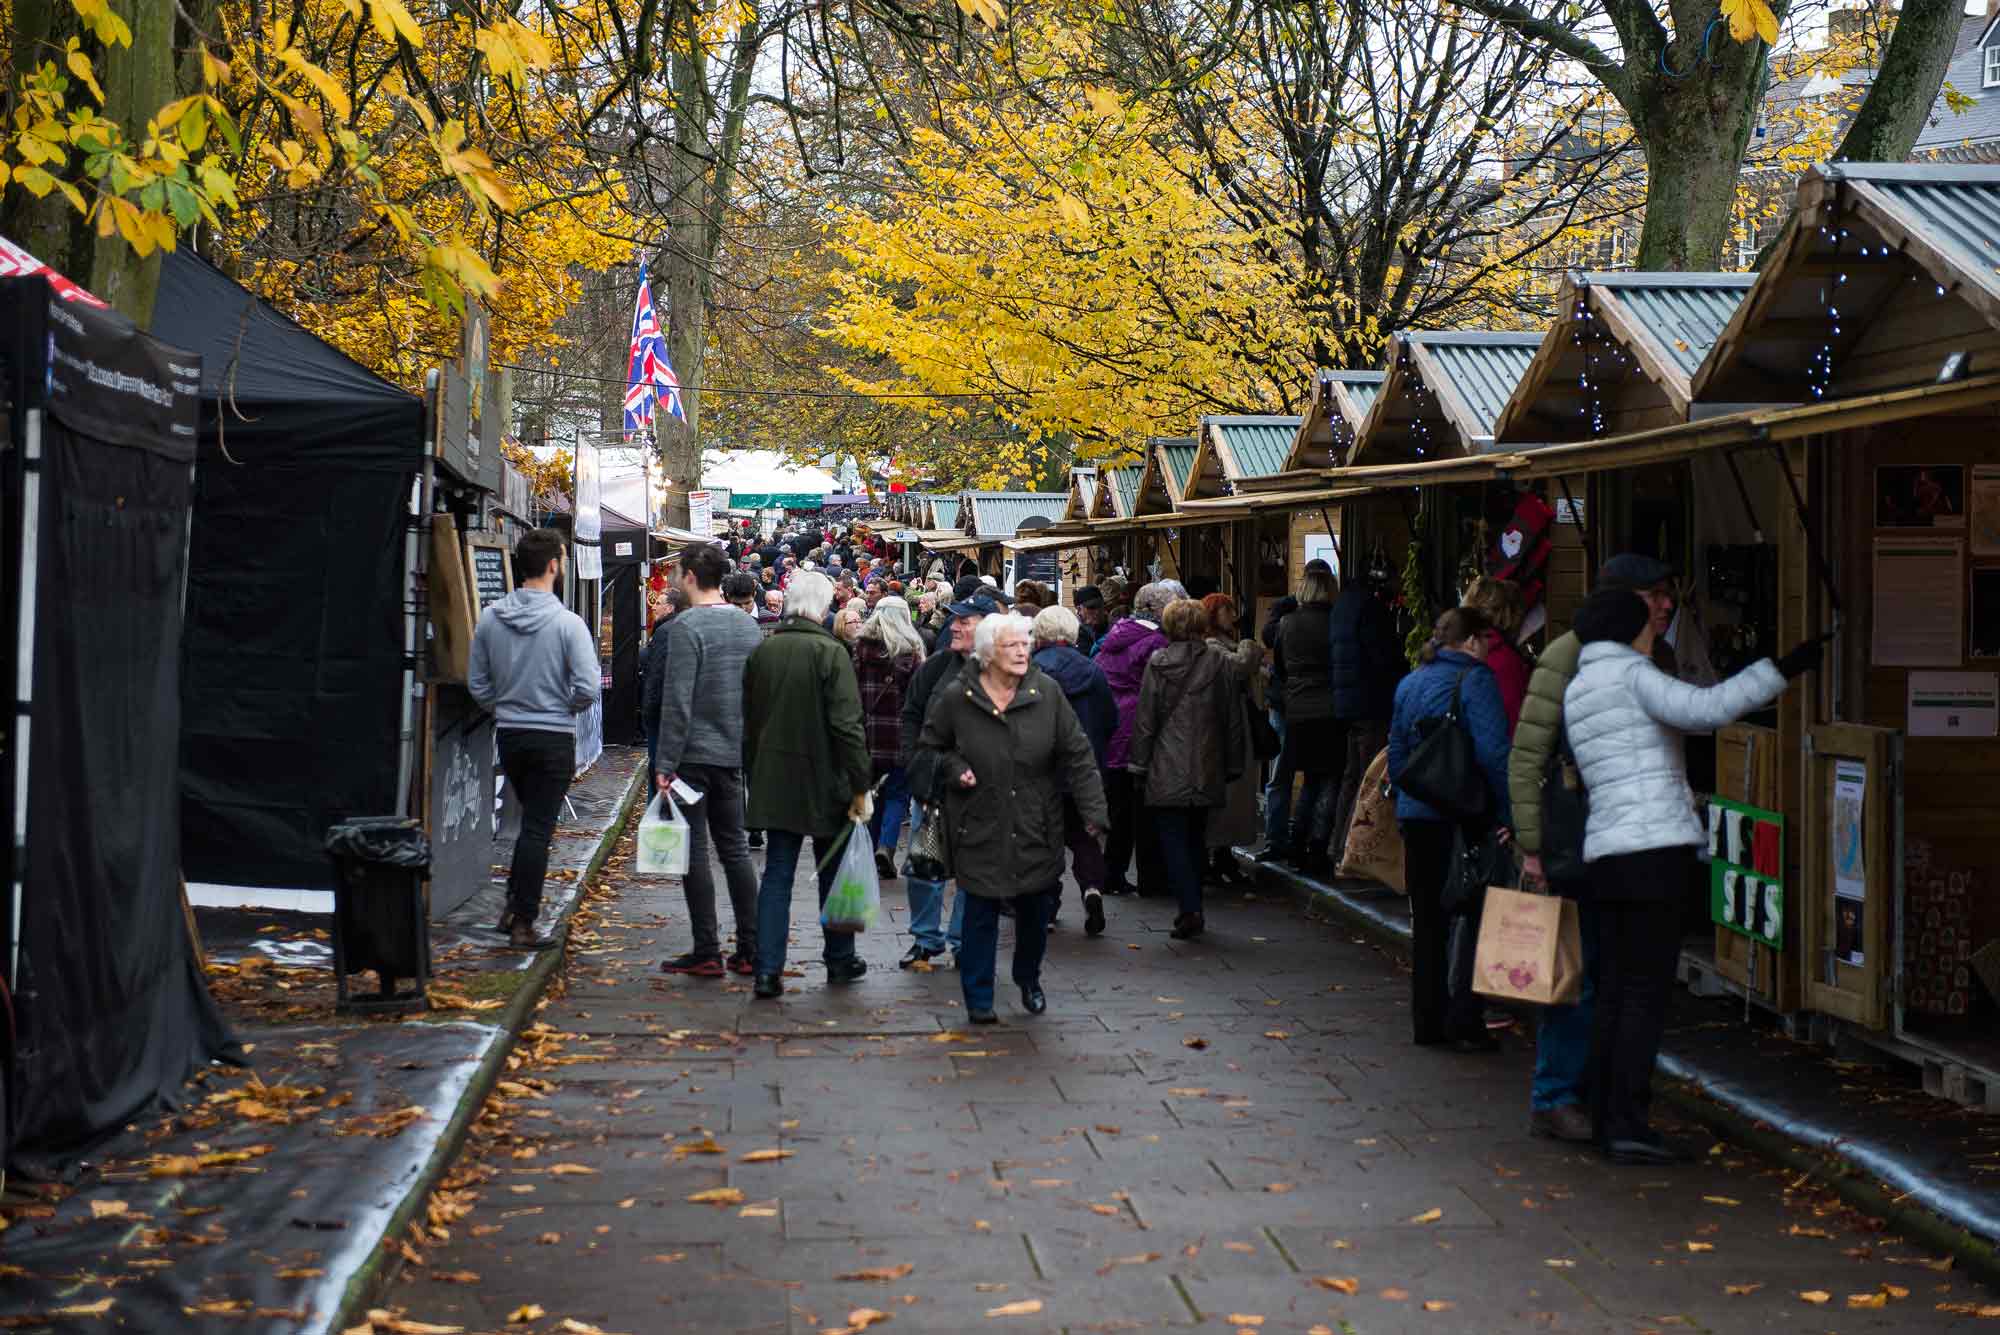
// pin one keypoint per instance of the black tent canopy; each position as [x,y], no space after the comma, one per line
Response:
[113,1014]
[293,682]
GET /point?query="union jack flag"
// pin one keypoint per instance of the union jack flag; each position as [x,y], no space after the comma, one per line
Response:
[649,376]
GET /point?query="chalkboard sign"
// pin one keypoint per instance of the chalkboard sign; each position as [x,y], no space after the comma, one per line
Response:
[1041,567]
[489,575]
[461,785]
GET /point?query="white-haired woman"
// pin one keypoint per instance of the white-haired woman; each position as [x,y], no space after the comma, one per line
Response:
[886,651]
[807,759]
[1000,747]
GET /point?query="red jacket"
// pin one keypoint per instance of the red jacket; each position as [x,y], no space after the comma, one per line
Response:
[1511,670]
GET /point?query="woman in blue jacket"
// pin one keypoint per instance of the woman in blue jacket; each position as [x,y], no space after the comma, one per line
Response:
[1452,660]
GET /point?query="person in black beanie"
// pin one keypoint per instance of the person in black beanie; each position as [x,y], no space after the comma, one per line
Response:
[1626,721]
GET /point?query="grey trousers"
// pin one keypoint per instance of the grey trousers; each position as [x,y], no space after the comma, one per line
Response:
[718,820]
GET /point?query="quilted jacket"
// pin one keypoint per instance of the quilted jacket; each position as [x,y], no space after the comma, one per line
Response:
[1626,722]
[1536,734]
[1426,694]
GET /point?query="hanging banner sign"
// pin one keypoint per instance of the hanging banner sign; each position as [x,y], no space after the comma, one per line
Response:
[1746,870]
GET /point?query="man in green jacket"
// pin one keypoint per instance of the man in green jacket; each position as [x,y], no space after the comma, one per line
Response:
[809,771]
[1562,1045]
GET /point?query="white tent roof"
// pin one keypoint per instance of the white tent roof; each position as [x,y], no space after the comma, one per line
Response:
[762,471]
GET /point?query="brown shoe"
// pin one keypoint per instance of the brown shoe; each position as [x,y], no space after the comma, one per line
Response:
[521,936]
[506,921]
[1568,1122]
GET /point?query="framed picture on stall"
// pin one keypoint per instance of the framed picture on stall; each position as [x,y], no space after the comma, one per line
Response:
[1920,496]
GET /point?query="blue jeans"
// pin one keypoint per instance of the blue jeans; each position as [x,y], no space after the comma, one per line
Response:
[891,804]
[1562,1044]
[982,945]
[927,907]
[774,897]
[1278,792]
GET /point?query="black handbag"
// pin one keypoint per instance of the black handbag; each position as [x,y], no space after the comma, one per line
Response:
[1565,814]
[930,849]
[1477,861]
[1443,770]
[1264,740]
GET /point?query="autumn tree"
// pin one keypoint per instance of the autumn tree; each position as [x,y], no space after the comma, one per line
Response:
[1690,76]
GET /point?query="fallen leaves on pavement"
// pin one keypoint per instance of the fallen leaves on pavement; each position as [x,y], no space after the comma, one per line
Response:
[766,1156]
[1430,1216]
[1348,1286]
[882,1273]
[1025,1307]
[717,1196]
[1142,1258]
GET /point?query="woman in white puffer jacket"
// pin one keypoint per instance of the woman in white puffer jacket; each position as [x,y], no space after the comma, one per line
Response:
[1627,721]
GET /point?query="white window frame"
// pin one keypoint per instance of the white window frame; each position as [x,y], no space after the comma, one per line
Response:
[1992,74]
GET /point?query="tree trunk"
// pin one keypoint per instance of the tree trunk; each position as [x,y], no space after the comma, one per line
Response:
[137,81]
[1907,83]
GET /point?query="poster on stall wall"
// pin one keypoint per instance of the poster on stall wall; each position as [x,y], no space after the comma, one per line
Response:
[1850,860]
[1983,507]
[701,513]
[1954,704]
[1323,547]
[1746,869]
[1919,602]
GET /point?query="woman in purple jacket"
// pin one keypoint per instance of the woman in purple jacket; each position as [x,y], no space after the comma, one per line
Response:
[1122,655]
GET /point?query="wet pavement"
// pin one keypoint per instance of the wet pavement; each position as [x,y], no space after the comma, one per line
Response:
[1233,1132]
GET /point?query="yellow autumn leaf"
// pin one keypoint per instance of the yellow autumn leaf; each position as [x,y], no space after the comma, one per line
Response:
[1750,18]
[1025,1307]
[765,1156]
[79,65]
[525,1313]
[717,1196]
[98,1308]
[391,20]
[1348,1286]
[1867,1300]
[1816,1297]
[1430,1216]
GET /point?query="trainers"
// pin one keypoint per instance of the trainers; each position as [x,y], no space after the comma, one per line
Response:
[1093,913]
[756,838]
[885,864]
[698,966]
[846,971]
[742,964]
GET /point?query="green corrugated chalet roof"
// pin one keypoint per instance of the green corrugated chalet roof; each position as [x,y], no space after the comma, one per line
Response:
[1000,514]
[1256,446]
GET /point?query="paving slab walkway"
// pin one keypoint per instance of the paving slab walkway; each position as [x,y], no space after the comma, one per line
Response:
[1233,1133]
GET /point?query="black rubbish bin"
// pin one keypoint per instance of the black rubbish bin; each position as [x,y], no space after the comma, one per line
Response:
[380,920]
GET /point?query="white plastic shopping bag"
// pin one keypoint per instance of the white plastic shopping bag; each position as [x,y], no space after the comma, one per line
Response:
[856,894]
[663,840]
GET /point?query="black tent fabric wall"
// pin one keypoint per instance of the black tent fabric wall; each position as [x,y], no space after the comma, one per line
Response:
[294,651]
[112,1011]
[621,702]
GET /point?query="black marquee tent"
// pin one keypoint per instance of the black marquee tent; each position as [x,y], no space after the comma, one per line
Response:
[100,433]
[294,656]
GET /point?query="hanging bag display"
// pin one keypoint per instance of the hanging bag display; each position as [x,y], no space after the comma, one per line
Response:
[663,840]
[1443,769]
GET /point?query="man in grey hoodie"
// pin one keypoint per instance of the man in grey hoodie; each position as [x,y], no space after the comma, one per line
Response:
[535,666]
[701,741]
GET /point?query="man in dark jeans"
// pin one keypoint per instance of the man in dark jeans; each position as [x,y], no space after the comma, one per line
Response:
[534,665]
[701,740]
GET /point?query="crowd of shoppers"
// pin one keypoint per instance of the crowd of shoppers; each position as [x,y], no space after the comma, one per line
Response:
[818,689]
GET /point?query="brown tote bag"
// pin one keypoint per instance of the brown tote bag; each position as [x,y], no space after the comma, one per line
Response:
[1530,949]
[1374,844]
